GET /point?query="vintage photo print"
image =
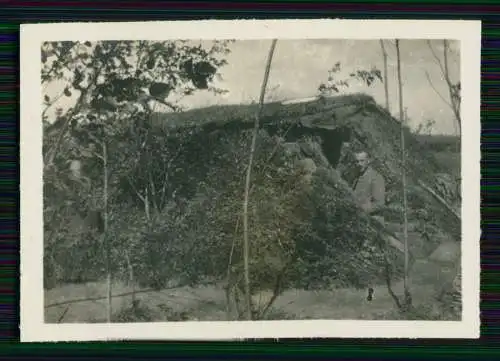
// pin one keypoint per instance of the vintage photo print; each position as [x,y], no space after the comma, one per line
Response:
[212,180]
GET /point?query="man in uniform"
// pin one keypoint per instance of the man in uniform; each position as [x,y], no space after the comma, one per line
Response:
[369,187]
[369,191]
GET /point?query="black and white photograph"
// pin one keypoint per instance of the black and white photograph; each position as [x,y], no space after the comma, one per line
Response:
[286,178]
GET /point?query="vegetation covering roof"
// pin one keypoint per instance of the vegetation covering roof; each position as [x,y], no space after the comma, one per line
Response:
[369,123]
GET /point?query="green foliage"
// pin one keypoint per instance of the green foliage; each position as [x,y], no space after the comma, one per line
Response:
[426,127]
[334,85]
[115,72]
[339,247]
[121,68]
[175,192]
[303,230]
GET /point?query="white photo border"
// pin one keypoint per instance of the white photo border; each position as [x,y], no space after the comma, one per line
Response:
[33,328]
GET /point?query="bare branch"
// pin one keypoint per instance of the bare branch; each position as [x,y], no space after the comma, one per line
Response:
[446,72]
[436,91]
[59,320]
[229,264]
[436,57]
[402,115]
[441,200]
[455,106]
[386,80]
[76,109]
[443,65]
[81,103]
[276,293]
[141,197]
[247,182]
[388,276]
[105,235]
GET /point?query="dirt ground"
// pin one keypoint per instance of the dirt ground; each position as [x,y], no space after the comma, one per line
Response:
[207,303]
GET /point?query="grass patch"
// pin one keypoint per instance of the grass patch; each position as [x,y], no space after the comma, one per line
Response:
[207,303]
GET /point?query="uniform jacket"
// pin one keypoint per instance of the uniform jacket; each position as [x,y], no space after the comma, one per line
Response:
[369,190]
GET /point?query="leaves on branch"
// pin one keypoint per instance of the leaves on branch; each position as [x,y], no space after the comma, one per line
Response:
[105,103]
[368,77]
[160,90]
[106,74]
[334,85]
[200,73]
[78,77]
[115,76]
[150,64]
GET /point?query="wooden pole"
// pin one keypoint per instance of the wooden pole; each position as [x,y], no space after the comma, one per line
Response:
[106,238]
[386,80]
[246,248]
[403,179]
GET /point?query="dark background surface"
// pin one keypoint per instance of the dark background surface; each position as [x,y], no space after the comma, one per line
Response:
[15,12]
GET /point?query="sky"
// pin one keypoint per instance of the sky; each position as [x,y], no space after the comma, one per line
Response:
[299,66]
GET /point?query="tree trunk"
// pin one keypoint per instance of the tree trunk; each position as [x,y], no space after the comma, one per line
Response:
[107,246]
[130,274]
[247,184]
[454,104]
[386,80]
[403,178]
[147,210]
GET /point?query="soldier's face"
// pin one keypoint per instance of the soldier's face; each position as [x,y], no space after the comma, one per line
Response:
[362,159]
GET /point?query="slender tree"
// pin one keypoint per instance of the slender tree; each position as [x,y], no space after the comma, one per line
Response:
[246,248]
[386,80]
[106,235]
[453,88]
[103,156]
[403,177]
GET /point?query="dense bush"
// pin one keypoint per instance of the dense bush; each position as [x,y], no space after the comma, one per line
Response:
[304,229]
[172,200]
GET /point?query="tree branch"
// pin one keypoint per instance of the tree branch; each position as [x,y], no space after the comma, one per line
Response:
[446,76]
[76,109]
[247,182]
[436,57]
[388,282]
[402,116]
[435,90]
[276,292]
[141,197]
[61,317]
[386,80]
[440,200]
[228,275]
[456,107]
[106,232]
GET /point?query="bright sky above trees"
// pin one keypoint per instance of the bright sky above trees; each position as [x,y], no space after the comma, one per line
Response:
[299,66]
